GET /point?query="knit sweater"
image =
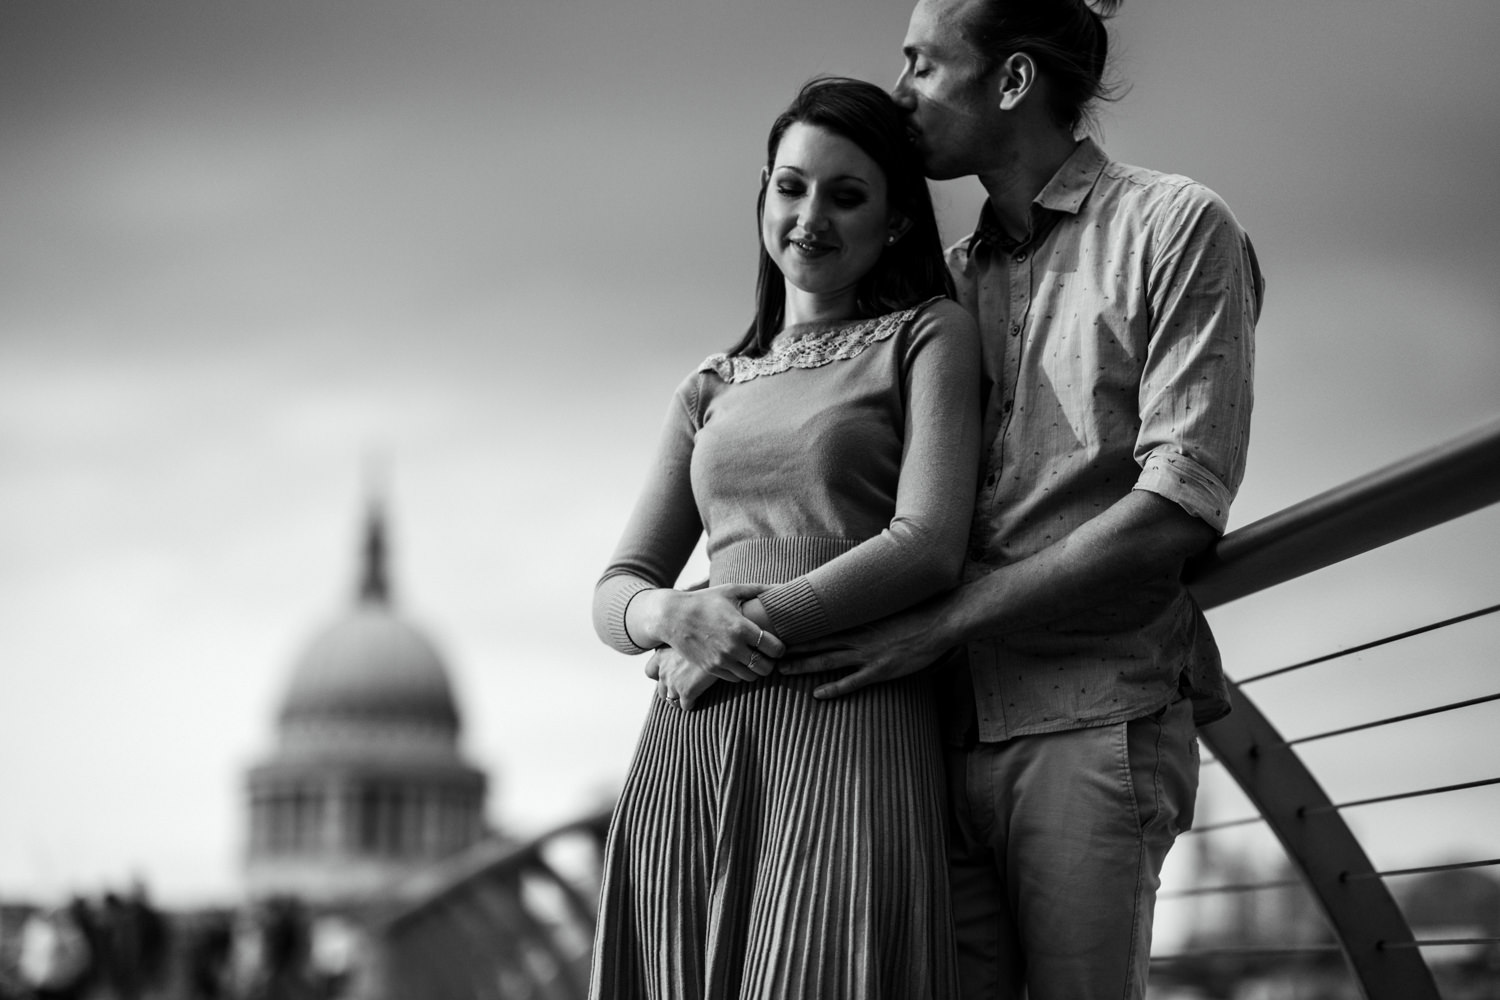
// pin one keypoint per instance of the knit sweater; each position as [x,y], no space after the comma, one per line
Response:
[840,469]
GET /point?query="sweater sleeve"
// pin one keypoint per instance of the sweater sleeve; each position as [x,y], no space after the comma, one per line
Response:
[921,551]
[662,530]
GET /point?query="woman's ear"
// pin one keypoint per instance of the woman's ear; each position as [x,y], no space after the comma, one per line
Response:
[897,228]
[765,176]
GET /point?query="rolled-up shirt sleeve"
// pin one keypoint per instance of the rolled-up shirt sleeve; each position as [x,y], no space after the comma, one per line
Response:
[1196,391]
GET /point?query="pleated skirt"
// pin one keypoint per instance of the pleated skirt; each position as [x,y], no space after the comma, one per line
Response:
[770,846]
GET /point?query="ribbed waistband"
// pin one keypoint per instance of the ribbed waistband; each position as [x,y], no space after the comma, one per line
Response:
[774,560]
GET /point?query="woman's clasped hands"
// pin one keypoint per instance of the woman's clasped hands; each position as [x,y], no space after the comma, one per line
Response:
[709,635]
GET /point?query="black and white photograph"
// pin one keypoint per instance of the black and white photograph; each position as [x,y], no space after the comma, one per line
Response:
[691,500]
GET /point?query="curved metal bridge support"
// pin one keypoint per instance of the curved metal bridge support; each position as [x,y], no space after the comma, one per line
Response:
[1388,504]
[1320,844]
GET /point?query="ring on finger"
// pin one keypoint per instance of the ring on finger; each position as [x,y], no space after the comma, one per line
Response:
[760,634]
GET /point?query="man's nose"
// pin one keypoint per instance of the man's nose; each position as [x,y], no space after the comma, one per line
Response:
[901,92]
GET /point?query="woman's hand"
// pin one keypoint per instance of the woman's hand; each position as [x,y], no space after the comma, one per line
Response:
[719,629]
[678,679]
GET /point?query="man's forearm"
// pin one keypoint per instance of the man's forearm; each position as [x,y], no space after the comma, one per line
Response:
[1141,537]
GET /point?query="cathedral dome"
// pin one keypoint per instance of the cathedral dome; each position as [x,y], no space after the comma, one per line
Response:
[370,665]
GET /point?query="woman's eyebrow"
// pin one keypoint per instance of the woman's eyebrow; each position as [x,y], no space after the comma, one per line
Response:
[841,177]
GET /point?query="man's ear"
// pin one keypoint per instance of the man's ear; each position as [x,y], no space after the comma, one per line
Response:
[1014,80]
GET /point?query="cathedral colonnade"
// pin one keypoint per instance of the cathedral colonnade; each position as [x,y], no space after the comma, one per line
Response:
[341,815]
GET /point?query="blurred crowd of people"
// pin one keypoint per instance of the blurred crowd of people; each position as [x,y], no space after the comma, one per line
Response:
[121,947]
[114,947]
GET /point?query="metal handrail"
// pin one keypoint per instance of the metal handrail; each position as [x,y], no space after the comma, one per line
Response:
[1384,506]
[1389,504]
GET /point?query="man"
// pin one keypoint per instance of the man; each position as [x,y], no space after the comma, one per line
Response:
[1117,308]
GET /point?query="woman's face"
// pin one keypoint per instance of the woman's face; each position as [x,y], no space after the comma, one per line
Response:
[826,216]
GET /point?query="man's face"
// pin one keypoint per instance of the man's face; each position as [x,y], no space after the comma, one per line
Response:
[952,109]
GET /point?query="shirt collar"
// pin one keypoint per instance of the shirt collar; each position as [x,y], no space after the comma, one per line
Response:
[1066,192]
[1069,188]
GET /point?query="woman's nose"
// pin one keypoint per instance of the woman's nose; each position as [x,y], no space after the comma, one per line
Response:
[813,216]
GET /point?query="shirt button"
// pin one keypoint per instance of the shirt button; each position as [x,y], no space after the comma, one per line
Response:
[1008,404]
[1015,329]
[1021,257]
[990,479]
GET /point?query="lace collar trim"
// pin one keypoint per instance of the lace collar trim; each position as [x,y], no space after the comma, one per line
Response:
[824,346]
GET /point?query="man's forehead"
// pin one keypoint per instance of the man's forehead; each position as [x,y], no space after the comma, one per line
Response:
[938,25]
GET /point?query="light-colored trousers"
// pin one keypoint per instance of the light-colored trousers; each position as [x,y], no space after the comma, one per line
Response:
[1055,848]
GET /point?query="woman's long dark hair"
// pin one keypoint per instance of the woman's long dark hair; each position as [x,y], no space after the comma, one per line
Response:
[909,271]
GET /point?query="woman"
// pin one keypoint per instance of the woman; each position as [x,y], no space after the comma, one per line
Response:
[767,844]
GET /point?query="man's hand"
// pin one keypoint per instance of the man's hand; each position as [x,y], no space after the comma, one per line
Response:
[883,651]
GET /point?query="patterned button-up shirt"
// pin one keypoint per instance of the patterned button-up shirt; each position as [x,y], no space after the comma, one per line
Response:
[1118,340]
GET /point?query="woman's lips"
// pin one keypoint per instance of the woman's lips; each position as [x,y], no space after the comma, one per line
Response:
[813,248]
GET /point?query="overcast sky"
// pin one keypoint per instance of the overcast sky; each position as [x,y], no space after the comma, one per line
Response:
[245,245]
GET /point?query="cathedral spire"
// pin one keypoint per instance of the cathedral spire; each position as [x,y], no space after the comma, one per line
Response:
[374,583]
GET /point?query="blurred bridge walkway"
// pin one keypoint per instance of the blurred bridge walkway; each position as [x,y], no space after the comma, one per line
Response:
[518,925]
